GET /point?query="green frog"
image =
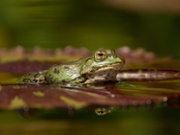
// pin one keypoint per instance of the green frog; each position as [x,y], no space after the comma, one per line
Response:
[103,66]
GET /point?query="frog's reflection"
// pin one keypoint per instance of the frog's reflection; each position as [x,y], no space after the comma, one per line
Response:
[70,112]
[104,110]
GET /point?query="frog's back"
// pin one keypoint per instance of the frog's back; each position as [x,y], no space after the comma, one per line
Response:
[33,78]
[62,74]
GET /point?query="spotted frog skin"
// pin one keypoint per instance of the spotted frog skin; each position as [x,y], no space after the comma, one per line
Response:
[103,66]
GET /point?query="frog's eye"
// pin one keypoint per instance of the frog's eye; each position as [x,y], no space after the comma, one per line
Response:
[100,55]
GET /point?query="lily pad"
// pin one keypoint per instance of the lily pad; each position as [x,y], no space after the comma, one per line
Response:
[14,97]
[149,80]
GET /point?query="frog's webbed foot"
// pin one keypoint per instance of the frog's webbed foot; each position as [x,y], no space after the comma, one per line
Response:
[34,78]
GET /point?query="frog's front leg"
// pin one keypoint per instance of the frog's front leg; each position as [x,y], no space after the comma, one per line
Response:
[33,78]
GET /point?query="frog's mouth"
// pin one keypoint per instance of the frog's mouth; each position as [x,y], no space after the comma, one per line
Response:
[104,73]
[115,66]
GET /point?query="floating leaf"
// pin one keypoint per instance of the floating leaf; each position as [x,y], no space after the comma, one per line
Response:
[44,96]
[141,65]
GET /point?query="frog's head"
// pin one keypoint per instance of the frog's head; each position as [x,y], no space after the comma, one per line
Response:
[104,59]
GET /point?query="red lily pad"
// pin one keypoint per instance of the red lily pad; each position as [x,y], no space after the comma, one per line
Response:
[13,97]
[138,91]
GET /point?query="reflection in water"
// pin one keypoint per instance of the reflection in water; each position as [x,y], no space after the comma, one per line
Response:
[57,113]
[131,122]
[26,112]
[104,110]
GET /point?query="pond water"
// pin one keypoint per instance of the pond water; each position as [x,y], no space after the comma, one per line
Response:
[131,121]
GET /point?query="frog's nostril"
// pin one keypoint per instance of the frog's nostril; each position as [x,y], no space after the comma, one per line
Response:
[111,57]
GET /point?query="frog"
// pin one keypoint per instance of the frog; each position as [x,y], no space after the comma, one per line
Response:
[101,67]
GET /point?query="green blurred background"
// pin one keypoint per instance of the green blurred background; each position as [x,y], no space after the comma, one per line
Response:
[92,24]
